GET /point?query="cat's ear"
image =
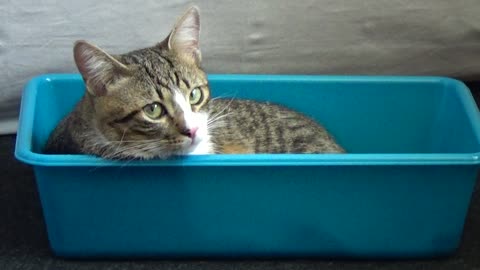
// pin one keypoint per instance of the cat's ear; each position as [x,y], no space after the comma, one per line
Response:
[98,68]
[184,38]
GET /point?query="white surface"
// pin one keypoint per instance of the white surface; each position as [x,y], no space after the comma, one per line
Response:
[428,37]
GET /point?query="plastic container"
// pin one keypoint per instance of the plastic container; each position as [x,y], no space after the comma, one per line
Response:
[402,191]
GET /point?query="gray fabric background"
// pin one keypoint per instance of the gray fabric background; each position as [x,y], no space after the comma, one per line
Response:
[428,37]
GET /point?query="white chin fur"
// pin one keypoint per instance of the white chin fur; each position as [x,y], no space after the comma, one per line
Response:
[202,144]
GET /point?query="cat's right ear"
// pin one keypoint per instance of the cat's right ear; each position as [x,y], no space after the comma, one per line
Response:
[185,36]
[98,68]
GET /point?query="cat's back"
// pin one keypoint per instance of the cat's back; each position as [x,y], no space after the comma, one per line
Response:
[247,126]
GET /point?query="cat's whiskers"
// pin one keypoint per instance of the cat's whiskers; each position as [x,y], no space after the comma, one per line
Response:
[139,148]
[119,152]
[216,128]
[121,139]
[227,95]
[127,161]
[224,108]
[148,149]
[216,119]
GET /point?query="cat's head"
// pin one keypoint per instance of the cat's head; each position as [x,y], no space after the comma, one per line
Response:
[150,102]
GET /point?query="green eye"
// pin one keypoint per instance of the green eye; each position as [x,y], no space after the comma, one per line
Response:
[153,111]
[195,96]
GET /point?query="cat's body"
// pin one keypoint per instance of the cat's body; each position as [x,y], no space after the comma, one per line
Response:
[255,127]
[155,103]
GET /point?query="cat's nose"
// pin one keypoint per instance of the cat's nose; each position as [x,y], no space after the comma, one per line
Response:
[190,132]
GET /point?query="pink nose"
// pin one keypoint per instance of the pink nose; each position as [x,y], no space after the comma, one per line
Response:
[192,132]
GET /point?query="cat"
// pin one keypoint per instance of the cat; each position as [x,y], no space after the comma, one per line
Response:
[155,103]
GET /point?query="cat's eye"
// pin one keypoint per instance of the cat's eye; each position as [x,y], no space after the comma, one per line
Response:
[195,96]
[153,111]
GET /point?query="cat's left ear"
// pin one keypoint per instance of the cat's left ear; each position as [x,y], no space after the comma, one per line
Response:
[184,38]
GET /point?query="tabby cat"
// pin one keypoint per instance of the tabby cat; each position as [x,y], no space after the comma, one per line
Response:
[155,103]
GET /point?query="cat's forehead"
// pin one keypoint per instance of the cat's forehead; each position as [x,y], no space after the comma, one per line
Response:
[164,68]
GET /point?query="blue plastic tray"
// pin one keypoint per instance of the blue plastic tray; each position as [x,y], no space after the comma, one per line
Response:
[402,191]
